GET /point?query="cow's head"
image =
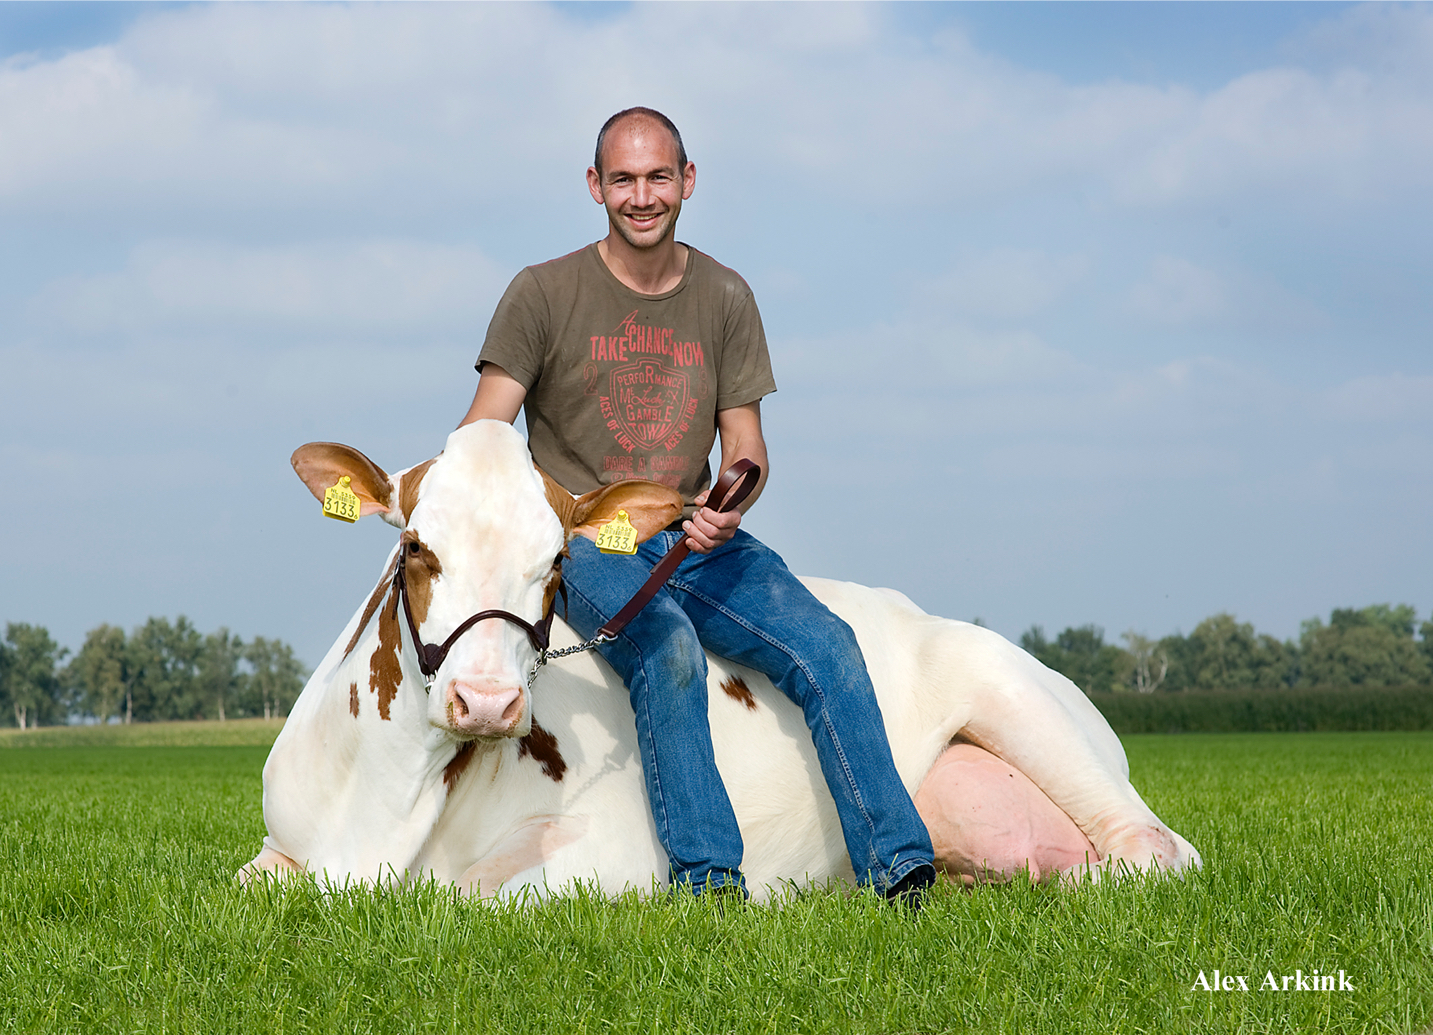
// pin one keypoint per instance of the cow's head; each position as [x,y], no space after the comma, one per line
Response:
[483,529]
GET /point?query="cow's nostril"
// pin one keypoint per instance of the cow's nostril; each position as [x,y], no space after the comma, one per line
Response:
[514,710]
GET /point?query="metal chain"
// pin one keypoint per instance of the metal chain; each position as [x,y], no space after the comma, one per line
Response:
[563,652]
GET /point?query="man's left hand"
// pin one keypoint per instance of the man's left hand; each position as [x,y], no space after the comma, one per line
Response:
[708,528]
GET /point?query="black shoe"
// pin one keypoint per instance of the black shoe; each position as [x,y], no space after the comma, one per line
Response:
[910,889]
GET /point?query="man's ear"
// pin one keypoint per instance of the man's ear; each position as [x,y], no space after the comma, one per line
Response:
[321,464]
[649,506]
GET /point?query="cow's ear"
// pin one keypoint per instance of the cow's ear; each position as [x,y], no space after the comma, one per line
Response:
[649,506]
[561,501]
[321,464]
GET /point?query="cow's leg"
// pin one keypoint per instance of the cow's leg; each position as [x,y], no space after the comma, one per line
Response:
[268,861]
[527,848]
[1057,738]
[989,822]
[1040,738]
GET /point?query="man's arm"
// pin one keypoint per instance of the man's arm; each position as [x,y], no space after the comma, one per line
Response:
[499,396]
[741,438]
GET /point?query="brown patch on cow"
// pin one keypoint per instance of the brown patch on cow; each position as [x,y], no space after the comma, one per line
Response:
[735,687]
[561,502]
[550,588]
[421,569]
[374,599]
[542,746]
[384,670]
[353,699]
[408,488]
[454,769]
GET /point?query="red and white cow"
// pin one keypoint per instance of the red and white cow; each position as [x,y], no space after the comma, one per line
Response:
[374,779]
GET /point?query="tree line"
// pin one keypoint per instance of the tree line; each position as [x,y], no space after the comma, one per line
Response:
[161,670]
[1374,646]
[169,670]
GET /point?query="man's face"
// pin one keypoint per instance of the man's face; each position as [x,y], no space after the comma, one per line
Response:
[641,186]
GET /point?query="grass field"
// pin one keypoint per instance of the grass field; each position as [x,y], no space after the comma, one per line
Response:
[119,914]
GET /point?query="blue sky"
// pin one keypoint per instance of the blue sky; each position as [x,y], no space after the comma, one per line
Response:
[1110,313]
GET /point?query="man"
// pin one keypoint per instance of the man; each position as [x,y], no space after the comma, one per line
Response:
[630,356]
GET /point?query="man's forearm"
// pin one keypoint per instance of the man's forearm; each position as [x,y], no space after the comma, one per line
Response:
[499,397]
[742,439]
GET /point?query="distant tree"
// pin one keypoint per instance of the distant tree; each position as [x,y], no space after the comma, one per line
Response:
[219,678]
[275,676]
[164,660]
[1223,653]
[7,661]
[1146,656]
[32,685]
[99,674]
[1425,644]
[1082,655]
[1371,646]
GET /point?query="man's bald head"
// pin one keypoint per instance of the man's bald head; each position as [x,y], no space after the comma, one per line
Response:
[645,115]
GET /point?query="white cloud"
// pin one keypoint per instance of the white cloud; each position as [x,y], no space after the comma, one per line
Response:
[374,286]
[925,359]
[1180,293]
[272,100]
[1007,283]
[1384,398]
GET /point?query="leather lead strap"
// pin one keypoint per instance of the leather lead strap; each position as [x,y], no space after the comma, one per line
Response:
[731,489]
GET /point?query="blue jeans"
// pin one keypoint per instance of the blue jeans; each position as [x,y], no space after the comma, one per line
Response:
[742,603]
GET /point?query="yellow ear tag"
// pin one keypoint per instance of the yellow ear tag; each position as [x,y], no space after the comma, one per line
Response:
[617,536]
[340,501]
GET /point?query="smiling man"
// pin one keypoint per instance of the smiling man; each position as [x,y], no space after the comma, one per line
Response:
[629,358]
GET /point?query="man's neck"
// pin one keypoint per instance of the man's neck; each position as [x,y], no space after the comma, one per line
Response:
[647,272]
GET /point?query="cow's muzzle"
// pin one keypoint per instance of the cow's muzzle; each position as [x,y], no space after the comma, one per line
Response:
[485,710]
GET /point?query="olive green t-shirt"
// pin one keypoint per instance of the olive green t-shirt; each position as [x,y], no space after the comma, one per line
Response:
[624,385]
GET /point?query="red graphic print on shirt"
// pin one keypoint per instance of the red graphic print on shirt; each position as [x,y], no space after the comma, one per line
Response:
[650,402]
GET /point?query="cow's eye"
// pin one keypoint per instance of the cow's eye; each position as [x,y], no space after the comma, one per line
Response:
[414,549]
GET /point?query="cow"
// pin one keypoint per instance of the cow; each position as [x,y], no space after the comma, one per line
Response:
[504,785]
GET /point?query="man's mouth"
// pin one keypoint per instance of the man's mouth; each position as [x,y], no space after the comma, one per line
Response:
[644,222]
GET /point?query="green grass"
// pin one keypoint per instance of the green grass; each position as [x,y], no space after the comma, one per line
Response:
[119,913]
[234,733]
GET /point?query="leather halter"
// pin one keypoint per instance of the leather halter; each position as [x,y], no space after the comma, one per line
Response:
[431,656]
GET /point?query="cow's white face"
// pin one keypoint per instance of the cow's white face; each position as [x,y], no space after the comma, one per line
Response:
[482,536]
[482,530]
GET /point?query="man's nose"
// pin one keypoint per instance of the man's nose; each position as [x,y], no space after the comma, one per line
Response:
[642,195]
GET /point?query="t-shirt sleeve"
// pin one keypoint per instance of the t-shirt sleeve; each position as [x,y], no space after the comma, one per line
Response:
[745,373]
[518,334]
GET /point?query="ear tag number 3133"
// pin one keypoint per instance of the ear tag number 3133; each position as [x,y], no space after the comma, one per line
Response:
[340,501]
[617,535]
